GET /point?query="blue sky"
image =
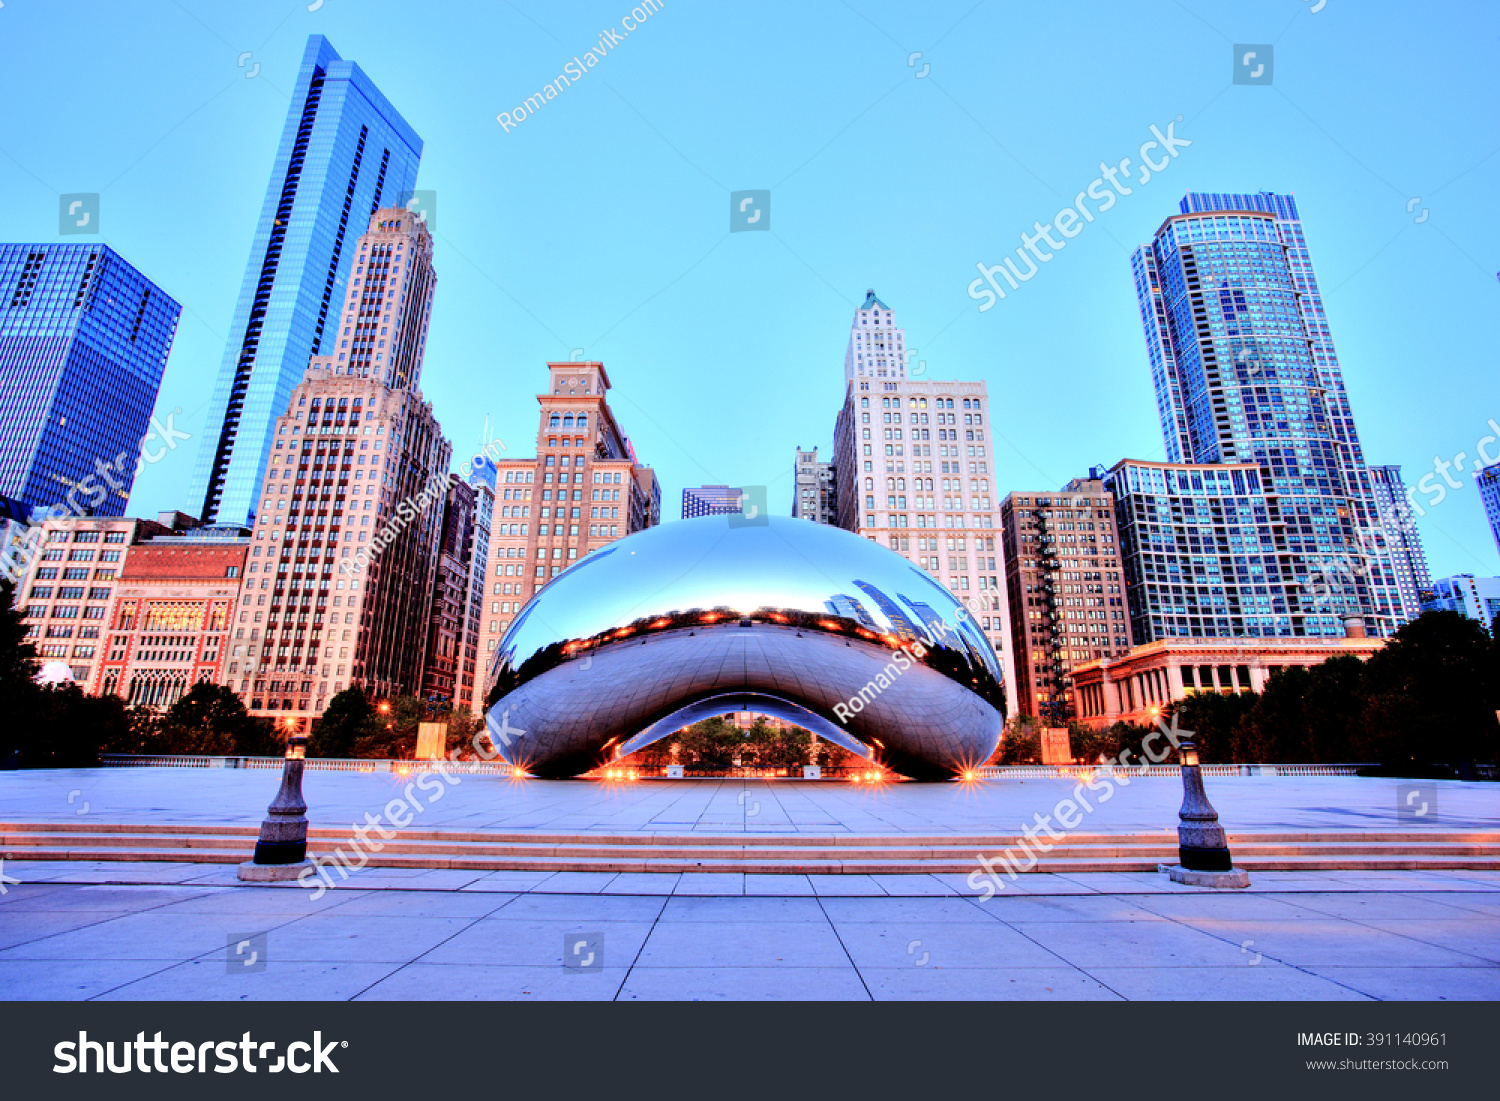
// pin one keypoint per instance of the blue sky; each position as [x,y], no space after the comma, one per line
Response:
[601,222]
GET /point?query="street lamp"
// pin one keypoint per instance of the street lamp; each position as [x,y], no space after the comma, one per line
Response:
[281,849]
[1202,847]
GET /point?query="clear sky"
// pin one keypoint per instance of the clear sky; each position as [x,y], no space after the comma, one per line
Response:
[601,223]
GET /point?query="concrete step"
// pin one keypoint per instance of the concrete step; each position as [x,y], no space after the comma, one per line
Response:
[759,853]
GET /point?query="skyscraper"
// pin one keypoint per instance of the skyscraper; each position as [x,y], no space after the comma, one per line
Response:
[1405,546]
[357,479]
[582,491]
[344,153]
[1488,481]
[1245,372]
[84,338]
[815,496]
[910,478]
[877,349]
[1065,589]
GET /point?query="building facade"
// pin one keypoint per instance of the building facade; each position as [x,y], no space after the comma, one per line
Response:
[1135,687]
[441,681]
[913,466]
[815,493]
[1408,559]
[1245,371]
[344,154]
[1208,553]
[170,621]
[583,490]
[340,581]
[1065,588]
[69,584]
[470,676]
[84,338]
[710,501]
[1488,481]
[877,348]
[1475,597]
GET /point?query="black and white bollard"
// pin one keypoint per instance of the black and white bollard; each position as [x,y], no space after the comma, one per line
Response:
[281,850]
[1202,848]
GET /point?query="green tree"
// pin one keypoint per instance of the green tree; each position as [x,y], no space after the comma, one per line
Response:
[348,718]
[1433,692]
[211,719]
[18,689]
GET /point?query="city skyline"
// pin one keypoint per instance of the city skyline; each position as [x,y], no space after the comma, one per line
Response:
[670,422]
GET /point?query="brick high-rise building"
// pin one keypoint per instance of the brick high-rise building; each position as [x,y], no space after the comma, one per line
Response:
[1065,588]
[815,496]
[450,598]
[68,583]
[339,586]
[582,491]
[913,465]
[170,623]
[471,667]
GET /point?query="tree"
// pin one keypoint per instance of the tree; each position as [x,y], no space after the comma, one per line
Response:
[1433,692]
[348,718]
[18,688]
[211,719]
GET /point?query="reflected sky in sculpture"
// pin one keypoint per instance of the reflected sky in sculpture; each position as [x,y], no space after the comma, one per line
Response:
[689,618]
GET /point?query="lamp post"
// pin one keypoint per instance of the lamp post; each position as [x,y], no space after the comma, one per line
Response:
[1202,848]
[281,849]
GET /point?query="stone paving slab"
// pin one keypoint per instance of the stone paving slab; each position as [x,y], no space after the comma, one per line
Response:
[1298,936]
[336,799]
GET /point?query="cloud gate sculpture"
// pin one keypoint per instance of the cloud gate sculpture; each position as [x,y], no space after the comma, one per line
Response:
[786,617]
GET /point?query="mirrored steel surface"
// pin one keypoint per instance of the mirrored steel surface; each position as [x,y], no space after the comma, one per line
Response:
[690,619]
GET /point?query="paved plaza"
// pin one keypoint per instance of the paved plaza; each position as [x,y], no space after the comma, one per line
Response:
[335,799]
[418,935]
[111,930]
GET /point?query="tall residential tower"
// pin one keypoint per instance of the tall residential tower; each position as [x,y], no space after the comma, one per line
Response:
[1245,372]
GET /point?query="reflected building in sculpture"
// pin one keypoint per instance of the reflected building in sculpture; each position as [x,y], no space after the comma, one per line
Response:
[703,617]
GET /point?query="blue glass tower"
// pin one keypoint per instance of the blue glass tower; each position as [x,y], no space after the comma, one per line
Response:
[84,339]
[1245,372]
[344,154]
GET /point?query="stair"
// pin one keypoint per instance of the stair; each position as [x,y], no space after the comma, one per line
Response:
[787,853]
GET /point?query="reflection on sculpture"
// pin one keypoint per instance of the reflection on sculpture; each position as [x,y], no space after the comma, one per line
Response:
[790,618]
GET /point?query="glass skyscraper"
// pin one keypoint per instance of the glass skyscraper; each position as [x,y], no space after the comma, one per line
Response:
[344,154]
[84,338]
[1245,372]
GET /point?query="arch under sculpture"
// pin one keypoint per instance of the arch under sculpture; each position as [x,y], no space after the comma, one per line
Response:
[787,617]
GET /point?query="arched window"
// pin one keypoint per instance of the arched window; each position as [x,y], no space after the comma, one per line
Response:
[554,421]
[583,418]
[568,420]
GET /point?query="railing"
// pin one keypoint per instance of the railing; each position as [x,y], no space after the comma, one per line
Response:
[501,768]
[1085,772]
[311,764]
